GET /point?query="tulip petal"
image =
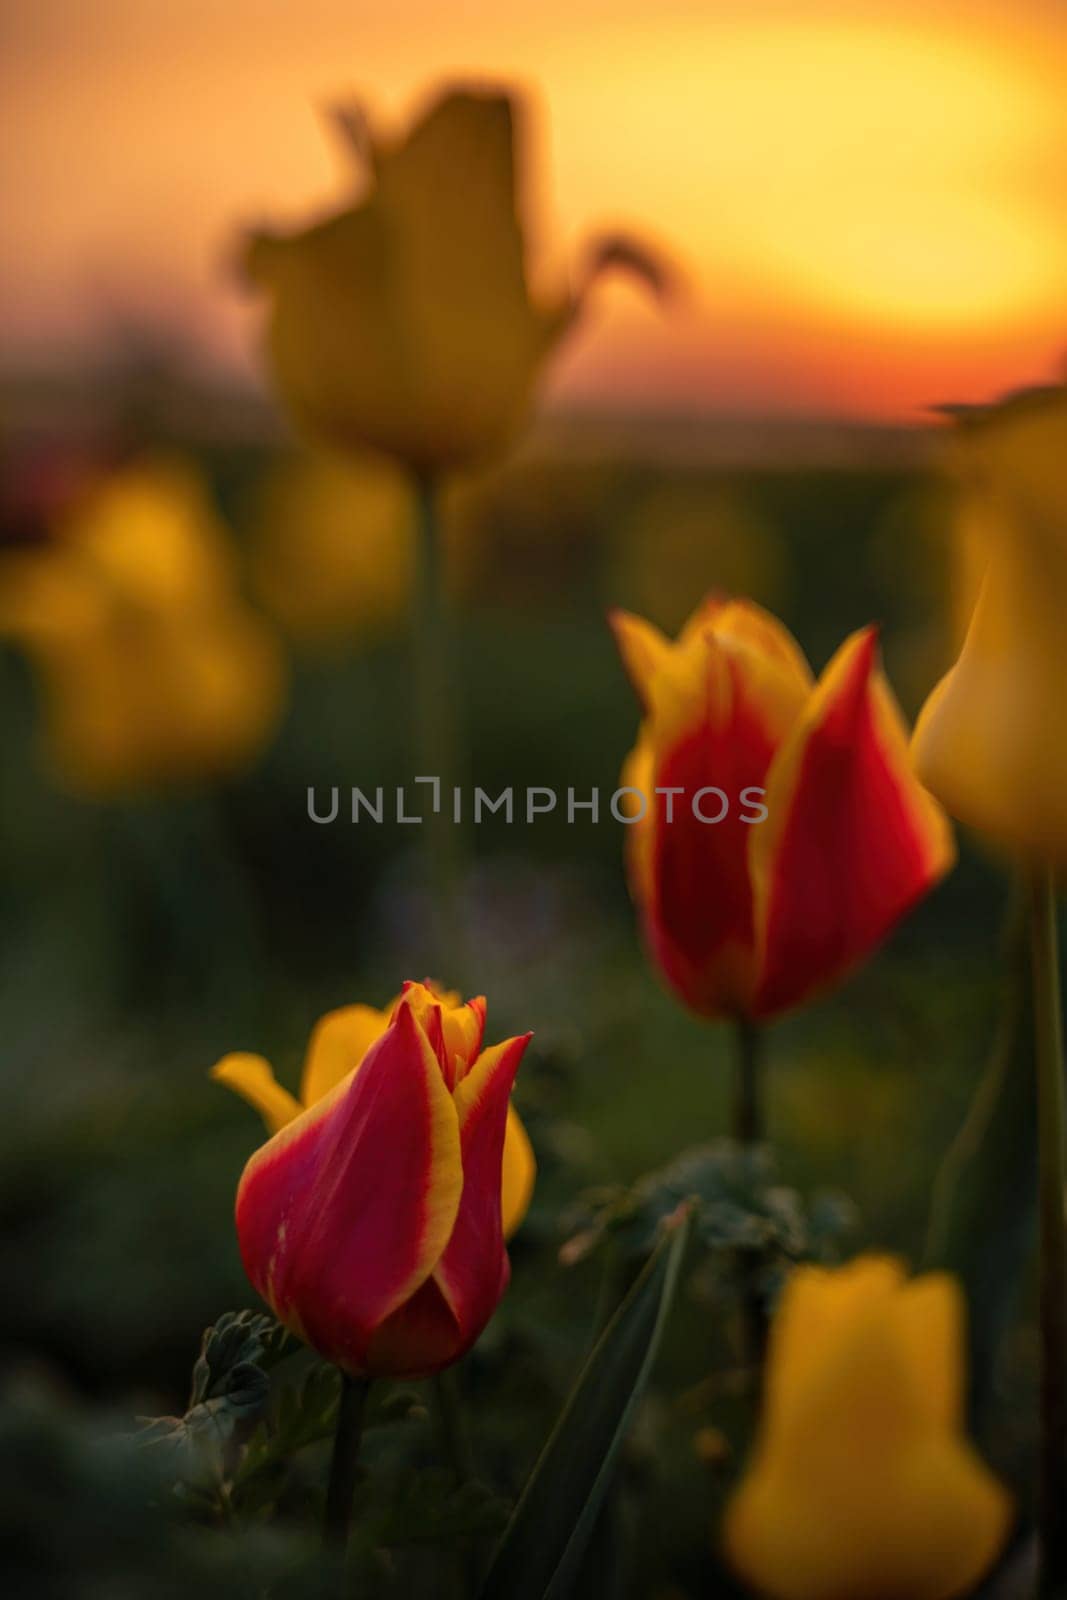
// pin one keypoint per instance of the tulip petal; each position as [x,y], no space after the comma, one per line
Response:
[464,1030]
[851,841]
[720,714]
[345,1212]
[338,1043]
[744,625]
[253,1079]
[817,1307]
[519,1174]
[644,651]
[470,1272]
[930,1315]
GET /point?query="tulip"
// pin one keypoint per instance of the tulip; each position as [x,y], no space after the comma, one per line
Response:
[152,669]
[862,1485]
[988,742]
[372,1220]
[750,915]
[405,322]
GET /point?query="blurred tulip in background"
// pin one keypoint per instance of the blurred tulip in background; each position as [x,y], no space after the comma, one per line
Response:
[862,1485]
[406,322]
[989,741]
[152,669]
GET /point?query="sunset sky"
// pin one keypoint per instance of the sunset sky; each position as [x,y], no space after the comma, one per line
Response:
[868,201]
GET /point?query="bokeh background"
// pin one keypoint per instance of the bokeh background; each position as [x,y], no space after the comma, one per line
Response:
[863,204]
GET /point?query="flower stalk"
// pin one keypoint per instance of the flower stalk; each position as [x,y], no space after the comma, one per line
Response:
[748,1084]
[748,1131]
[344,1462]
[453,1425]
[1052,1182]
[436,729]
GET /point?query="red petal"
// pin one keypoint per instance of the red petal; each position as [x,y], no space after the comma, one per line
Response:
[852,840]
[698,916]
[472,1272]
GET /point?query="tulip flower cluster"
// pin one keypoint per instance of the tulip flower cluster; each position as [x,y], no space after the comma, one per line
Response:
[373,1220]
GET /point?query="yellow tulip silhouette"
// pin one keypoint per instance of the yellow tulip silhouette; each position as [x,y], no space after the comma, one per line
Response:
[989,741]
[405,322]
[862,1485]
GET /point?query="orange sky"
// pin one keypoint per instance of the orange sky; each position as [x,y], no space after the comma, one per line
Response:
[868,199]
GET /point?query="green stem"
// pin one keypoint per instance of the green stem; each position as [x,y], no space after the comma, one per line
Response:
[436,725]
[344,1462]
[1052,1180]
[748,1084]
[748,1131]
[453,1424]
[456,1444]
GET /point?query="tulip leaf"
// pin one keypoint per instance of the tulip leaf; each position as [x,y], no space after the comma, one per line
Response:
[983,1215]
[737,1202]
[542,1548]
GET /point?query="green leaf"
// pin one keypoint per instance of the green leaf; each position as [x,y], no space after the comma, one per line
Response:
[983,1212]
[542,1547]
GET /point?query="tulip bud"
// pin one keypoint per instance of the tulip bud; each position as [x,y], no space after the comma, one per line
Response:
[823,837]
[371,1222]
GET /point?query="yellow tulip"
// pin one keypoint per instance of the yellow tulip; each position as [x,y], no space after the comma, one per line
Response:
[405,322]
[339,1042]
[862,1485]
[152,669]
[989,741]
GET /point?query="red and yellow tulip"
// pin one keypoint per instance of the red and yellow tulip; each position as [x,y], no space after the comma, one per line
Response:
[373,1221]
[862,1485]
[748,916]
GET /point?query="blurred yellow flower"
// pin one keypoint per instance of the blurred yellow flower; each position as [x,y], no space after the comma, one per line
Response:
[862,1485]
[339,1042]
[333,552]
[687,538]
[989,741]
[405,322]
[151,668]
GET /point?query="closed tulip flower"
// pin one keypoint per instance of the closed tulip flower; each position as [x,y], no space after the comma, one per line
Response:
[862,1485]
[797,835]
[372,1222]
[989,741]
[405,321]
